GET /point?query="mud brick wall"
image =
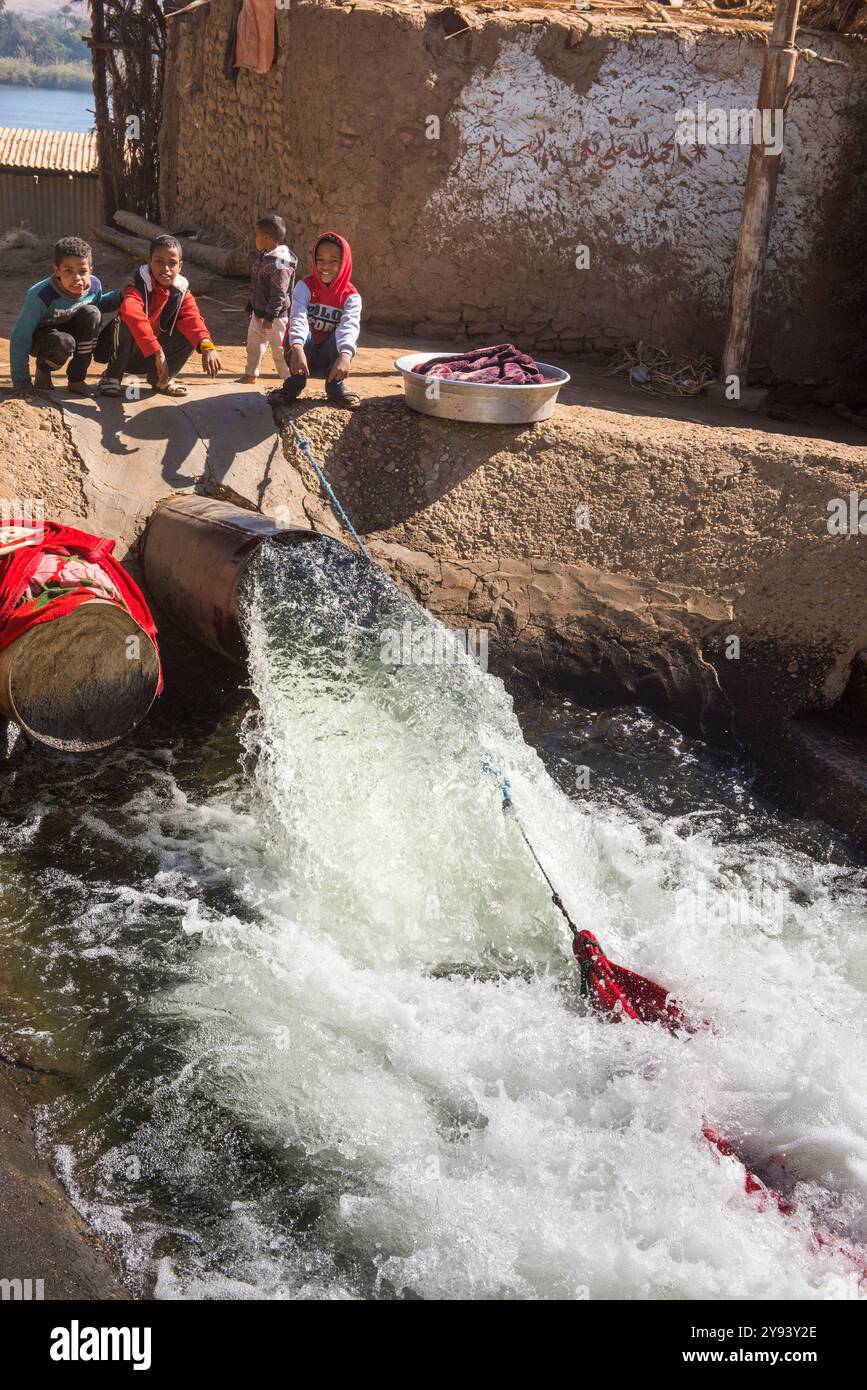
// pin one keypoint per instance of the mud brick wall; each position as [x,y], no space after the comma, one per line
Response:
[555,133]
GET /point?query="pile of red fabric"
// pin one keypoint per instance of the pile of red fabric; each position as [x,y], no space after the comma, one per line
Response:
[503,365]
[47,579]
[621,993]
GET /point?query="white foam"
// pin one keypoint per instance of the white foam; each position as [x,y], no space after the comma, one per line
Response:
[501,1141]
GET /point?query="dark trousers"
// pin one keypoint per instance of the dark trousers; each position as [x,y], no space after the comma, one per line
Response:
[129,357]
[87,334]
[320,359]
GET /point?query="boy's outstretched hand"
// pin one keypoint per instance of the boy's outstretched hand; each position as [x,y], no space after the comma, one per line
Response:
[162,367]
[340,370]
[297,361]
[211,362]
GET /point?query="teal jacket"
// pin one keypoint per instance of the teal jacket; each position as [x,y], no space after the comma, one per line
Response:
[45,303]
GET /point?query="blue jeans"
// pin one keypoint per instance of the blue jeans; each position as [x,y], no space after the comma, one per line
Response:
[320,359]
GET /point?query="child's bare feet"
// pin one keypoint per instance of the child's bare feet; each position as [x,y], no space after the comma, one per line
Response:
[248,380]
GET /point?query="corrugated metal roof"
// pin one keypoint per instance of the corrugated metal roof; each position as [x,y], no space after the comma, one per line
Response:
[63,151]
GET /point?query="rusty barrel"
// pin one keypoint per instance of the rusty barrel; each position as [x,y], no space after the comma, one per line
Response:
[194,553]
[82,681]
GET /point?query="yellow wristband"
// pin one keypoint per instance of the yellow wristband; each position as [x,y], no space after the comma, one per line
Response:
[206,346]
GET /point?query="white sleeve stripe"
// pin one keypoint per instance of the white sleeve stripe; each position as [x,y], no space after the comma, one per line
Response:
[299,326]
[349,326]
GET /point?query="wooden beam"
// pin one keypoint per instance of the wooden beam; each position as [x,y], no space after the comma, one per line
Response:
[133,245]
[101,45]
[759,196]
[219,259]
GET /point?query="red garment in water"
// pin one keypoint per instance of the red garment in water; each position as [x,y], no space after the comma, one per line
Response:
[621,993]
[503,365]
[255,42]
[18,569]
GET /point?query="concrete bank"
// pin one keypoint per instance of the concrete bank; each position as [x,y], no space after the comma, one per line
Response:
[676,553]
[670,553]
[623,543]
[42,1238]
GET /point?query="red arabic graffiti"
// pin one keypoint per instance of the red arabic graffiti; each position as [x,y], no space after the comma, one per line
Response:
[597,150]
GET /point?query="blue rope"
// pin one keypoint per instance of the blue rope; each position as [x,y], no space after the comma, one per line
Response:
[502,782]
[304,445]
[509,809]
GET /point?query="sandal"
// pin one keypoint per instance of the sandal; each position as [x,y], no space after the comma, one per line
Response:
[171,388]
[347,401]
[110,386]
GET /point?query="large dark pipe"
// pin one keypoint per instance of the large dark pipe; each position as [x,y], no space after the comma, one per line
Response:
[194,553]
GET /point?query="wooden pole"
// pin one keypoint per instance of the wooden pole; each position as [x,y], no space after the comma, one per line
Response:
[761,190]
[100,101]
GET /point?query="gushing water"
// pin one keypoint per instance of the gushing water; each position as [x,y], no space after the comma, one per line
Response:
[321,1023]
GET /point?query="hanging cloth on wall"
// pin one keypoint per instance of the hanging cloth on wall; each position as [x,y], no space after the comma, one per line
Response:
[256,45]
[230,72]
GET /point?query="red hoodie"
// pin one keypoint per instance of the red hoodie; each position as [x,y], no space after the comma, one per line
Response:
[147,308]
[332,296]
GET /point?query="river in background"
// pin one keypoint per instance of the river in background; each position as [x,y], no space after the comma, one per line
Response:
[45,108]
[314,1020]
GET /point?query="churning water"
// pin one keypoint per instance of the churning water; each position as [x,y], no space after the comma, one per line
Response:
[312,1018]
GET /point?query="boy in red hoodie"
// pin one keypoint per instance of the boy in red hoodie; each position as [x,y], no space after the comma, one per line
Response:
[324,324]
[160,325]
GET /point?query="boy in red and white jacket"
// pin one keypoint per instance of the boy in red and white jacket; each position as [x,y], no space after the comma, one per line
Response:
[160,325]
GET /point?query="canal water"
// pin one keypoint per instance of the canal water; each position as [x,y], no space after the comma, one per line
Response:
[309,1020]
[45,108]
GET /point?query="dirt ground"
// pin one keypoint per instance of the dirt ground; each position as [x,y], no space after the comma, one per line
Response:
[222,304]
[33,442]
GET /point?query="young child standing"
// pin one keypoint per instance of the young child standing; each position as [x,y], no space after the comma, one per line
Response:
[160,325]
[66,316]
[324,325]
[270,296]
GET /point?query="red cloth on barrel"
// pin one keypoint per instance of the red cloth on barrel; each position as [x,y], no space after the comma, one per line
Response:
[504,365]
[17,570]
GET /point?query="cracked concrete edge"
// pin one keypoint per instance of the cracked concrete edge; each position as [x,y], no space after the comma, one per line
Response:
[42,1236]
[69,516]
[545,614]
[547,592]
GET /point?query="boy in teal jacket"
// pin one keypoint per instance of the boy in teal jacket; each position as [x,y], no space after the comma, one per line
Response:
[67,316]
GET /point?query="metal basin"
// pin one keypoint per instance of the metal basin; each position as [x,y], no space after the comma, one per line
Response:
[479,402]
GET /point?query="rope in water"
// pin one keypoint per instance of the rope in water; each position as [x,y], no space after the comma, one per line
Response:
[304,445]
[509,810]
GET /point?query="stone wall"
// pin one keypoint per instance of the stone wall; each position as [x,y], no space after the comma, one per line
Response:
[551,133]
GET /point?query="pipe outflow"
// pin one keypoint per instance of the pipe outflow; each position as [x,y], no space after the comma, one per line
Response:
[194,554]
